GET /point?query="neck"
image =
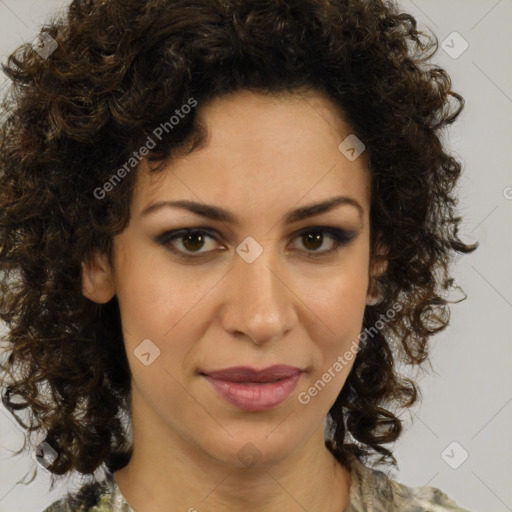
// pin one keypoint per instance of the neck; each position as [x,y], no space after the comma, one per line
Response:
[167,473]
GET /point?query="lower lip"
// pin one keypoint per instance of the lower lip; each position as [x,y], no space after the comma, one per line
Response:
[252,396]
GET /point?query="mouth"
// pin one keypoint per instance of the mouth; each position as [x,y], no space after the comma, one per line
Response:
[254,390]
[252,375]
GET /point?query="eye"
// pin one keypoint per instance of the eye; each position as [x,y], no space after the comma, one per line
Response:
[190,239]
[193,240]
[313,239]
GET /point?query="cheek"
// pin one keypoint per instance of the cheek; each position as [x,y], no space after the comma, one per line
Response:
[337,304]
[339,313]
[339,323]
[157,316]
[154,304]
[338,300]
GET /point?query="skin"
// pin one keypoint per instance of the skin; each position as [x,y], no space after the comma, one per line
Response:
[265,155]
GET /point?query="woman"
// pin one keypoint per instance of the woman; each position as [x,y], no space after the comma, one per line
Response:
[223,226]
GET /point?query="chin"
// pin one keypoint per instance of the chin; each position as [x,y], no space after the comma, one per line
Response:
[254,452]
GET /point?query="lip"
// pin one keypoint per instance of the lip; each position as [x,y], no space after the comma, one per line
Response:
[250,389]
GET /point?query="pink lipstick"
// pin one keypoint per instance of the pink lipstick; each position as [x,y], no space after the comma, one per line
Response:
[255,390]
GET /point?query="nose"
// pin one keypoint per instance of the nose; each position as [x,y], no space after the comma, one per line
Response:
[259,301]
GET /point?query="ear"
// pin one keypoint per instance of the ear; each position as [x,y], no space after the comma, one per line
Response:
[97,279]
[378,266]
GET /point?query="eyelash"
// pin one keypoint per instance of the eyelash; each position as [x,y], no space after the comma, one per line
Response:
[340,237]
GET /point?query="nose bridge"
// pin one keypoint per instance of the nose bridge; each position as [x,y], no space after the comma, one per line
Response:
[261,304]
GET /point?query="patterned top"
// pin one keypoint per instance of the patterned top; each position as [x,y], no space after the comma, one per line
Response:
[371,490]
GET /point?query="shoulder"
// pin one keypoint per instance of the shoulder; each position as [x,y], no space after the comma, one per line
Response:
[373,490]
[92,497]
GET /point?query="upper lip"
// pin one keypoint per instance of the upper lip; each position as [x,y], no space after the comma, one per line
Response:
[248,374]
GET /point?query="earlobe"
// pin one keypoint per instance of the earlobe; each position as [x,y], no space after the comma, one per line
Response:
[97,281]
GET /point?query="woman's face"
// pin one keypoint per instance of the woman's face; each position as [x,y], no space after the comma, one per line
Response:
[268,287]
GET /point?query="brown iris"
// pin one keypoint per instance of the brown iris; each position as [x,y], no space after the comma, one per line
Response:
[193,241]
[313,238]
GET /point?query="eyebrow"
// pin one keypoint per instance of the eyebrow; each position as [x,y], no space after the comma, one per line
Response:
[212,212]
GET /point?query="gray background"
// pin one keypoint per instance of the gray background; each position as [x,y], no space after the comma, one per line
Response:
[468,400]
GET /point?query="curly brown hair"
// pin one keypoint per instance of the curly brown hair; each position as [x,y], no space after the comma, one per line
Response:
[121,68]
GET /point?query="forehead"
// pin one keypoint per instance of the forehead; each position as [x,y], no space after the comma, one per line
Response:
[258,148]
